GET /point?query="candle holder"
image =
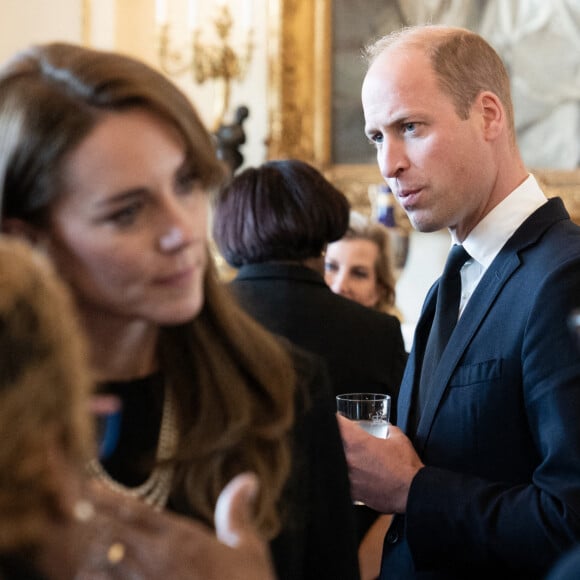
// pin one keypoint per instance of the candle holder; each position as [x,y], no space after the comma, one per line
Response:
[219,62]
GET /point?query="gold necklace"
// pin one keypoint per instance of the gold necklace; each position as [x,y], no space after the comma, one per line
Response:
[156,489]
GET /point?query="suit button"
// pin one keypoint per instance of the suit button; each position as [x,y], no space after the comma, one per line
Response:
[392,536]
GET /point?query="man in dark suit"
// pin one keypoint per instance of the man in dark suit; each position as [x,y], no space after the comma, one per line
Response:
[568,567]
[484,472]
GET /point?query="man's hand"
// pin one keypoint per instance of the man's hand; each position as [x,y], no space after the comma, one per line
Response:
[380,470]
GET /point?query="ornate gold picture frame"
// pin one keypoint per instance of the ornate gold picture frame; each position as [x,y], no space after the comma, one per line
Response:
[300,93]
[300,79]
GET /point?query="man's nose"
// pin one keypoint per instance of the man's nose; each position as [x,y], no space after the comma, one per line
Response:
[392,158]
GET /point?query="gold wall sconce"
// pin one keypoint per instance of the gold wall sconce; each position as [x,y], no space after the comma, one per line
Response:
[216,59]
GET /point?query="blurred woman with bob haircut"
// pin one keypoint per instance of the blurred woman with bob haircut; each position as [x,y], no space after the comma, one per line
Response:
[283,210]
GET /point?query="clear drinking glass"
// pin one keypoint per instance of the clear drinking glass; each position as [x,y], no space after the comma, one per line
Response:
[370,410]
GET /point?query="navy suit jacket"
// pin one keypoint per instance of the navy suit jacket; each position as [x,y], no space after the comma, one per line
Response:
[568,567]
[500,433]
[363,349]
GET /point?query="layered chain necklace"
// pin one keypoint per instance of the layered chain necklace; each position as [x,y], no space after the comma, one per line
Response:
[156,489]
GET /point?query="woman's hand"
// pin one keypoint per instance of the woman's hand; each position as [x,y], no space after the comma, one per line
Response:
[125,539]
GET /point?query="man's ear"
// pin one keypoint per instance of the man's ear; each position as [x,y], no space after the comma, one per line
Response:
[493,115]
[22,229]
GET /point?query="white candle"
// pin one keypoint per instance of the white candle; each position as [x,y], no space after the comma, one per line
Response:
[161,11]
[248,14]
[191,14]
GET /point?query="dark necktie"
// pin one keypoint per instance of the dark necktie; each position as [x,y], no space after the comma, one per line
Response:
[446,315]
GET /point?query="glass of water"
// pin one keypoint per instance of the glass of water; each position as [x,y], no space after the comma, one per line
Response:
[370,410]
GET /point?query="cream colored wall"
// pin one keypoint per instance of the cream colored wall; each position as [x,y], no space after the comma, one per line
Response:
[23,22]
[128,26]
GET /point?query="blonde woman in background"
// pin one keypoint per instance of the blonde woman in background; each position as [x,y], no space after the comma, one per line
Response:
[359,266]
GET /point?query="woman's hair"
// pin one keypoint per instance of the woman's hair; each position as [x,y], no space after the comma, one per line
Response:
[51,98]
[282,210]
[44,392]
[463,61]
[224,360]
[360,228]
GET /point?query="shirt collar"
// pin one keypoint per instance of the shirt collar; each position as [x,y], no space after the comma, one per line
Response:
[489,236]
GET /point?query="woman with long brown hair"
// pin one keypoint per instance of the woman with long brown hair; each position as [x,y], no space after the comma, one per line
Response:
[107,168]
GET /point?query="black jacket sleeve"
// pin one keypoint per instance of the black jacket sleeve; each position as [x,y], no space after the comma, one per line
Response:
[318,538]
